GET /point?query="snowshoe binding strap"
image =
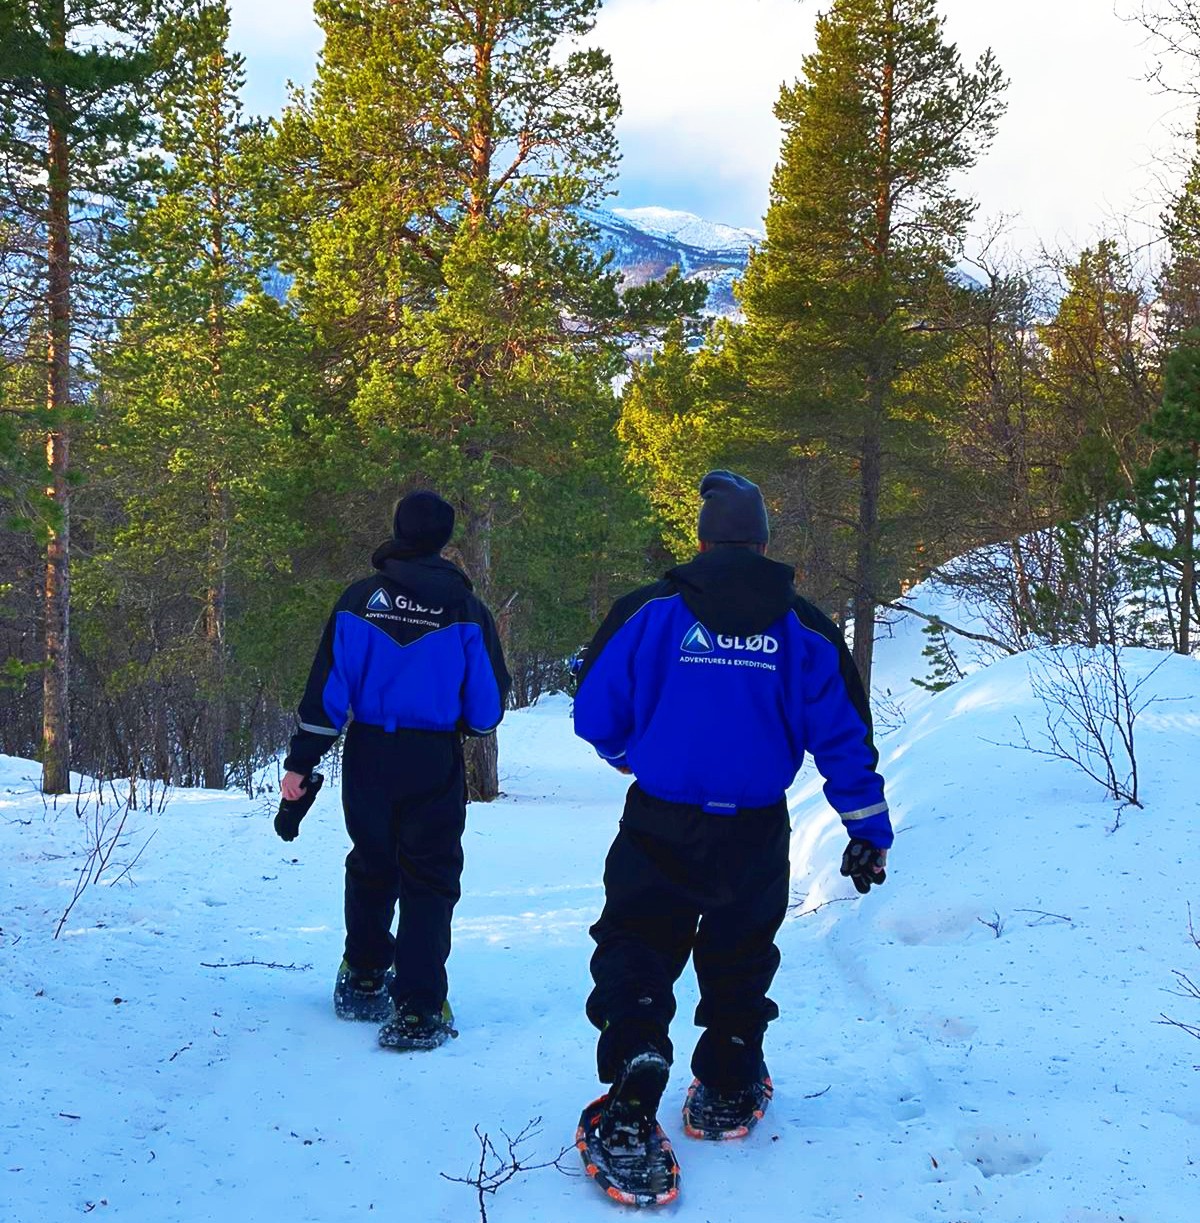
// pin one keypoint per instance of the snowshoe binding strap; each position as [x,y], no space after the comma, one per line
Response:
[710,1115]
[411,1030]
[362,997]
[634,1164]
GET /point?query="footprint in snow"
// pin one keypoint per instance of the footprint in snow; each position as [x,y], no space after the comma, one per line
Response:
[1000,1152]
[908,1109]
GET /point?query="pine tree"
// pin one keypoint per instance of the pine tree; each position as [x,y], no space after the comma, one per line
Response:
[439,168]
[669,437]
[1179,280]
[1167,484]
[201,388]
[73,74]
[1165,494]
[863,228]
[1102,376]
[1006,437]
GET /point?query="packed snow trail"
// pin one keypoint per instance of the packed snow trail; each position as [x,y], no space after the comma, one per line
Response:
[926,1070]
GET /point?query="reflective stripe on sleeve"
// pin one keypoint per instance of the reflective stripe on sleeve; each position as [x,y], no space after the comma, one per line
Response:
[318,730]
[878,809]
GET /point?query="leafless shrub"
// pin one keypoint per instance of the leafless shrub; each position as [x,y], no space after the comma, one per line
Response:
[1187,988]
[149,794]
[1091,711]
[103,814]
[996,925]
[497,1167]
[888,712]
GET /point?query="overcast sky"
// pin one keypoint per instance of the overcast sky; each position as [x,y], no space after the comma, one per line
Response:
[1085,140]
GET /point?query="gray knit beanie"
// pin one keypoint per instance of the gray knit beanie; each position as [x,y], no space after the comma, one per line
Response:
[731,510]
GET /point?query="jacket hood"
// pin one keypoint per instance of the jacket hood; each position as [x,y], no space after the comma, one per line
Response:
[735,590]
[434,575]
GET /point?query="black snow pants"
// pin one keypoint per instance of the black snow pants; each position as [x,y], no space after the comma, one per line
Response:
[678,882]
[404,795]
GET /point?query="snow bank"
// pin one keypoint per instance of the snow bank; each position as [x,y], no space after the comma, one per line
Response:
[174,1056]
[1005,985]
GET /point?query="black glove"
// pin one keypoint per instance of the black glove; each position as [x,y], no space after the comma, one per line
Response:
[859,863]
[289,815]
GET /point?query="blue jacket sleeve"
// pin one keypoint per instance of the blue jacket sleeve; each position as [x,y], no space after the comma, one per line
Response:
[486,682]
[604,699]
[324,707]
[836,729]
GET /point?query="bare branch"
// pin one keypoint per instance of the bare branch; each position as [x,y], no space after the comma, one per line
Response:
[495,1168]
[260,964]
[951,628]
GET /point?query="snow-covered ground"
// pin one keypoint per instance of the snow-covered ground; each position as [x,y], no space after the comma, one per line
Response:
[929,1068]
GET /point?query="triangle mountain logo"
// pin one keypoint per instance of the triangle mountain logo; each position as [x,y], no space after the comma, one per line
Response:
[379,601]
[696,640]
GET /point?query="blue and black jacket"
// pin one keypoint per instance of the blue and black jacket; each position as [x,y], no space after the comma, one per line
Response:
[411,648]
[712,684]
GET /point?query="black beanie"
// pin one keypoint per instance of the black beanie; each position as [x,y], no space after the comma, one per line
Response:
[731,510]
[423,523]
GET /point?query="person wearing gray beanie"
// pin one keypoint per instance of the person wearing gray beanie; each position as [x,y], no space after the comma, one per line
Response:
[709,688]
[732,510]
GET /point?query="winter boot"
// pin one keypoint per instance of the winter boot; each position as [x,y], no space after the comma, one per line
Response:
[362,996]
[624,1149]
[408,1028]
[719,1115]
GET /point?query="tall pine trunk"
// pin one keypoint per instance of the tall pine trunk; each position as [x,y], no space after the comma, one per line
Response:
[216,703]
[1093,579]
[56,738]
[214,759]
[879,377]
[482,138]
[866,562]
[1187,583]
[481,752]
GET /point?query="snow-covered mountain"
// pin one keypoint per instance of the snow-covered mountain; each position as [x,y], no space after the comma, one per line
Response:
[647,242]
[690,230]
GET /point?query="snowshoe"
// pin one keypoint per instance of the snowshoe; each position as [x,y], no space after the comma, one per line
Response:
[410,1029]
[715,1116]
[623,1148]
[362,997]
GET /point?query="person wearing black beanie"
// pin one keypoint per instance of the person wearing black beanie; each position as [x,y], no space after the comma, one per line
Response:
[413,654]
[422,524]
[709,688]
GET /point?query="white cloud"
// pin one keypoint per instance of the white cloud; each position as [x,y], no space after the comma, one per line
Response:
[1084,138]
[699,80]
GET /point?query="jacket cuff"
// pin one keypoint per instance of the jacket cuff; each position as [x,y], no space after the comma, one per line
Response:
[876,828]
[305,751]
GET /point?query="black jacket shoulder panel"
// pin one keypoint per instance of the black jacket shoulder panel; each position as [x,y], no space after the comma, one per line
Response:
[624,609]
[813,618]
